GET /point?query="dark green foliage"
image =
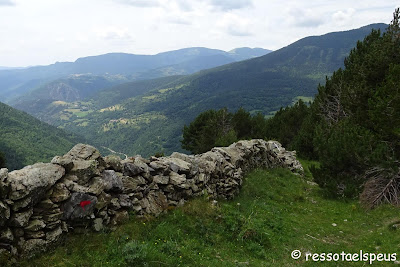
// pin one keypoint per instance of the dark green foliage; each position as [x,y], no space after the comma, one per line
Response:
[242,123]
[345,151]
[206,130]
[221,128]
[303,142]
[286,123]
[359,110]
[25,140]
[2,160]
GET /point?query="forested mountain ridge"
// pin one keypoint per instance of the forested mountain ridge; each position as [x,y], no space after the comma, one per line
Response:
[17,82]
[146,117]
[75,87]
[25,140]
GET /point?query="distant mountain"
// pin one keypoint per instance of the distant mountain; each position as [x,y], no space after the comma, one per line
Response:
[10,68]
[243,53]
[148,116]
[17,82]
[75,87]
[25,140]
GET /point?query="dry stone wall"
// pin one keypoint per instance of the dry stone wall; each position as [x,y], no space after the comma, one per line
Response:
[82,190]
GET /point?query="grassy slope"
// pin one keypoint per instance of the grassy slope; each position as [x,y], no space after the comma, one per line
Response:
[278,212]
[26,140]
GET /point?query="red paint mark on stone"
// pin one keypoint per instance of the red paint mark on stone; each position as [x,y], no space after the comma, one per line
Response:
[84,203]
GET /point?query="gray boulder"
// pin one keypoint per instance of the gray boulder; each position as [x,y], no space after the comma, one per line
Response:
[60,193]
[4,213]
[113,162]
[112,181]
[79,206]
[34,180]
[21,219]
[4,184]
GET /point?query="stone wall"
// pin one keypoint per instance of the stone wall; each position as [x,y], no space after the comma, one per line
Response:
[82,190]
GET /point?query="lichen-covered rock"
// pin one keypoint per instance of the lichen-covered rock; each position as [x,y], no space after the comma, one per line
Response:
[155,203]
[112,181]
[4,213]
[35,225]
[20,219]
[85,170]
[159,166]
[22,203]
[46,207]
[113,162]
[4,184]
[124,201]
[161,179]
[120,217]
[177,179]
[54,235]
[60,193]
[6,236]
[34,180]
[138,166]
[83,152]
[34,235]
[79,206]
[54,216]
[177,165]
[184,157]
[132,184]
[96,186]
[103,200]
[98,224]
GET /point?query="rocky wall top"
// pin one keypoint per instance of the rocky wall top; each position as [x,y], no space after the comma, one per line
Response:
[82,190]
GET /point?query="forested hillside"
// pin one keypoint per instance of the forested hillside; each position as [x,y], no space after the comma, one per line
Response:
[148,117]
[25,140]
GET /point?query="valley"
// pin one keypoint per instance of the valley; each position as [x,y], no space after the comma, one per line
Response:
[147,116]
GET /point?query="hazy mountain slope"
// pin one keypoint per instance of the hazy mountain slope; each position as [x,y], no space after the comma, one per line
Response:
[16,82]
[188,67]
[58,112]
[152,121]
[26,140]
[243,53]
[76,87]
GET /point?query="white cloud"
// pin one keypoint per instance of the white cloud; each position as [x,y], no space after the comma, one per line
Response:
[152,26]
[225,5]
[234,25]
[114,33]
[178,20]
[139,3]
[184,5]
[342,17]
[306,18]
[7,2]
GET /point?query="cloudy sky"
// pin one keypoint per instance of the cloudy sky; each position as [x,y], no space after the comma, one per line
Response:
[39,32]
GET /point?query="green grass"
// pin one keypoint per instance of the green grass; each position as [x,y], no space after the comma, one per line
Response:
[275,213]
